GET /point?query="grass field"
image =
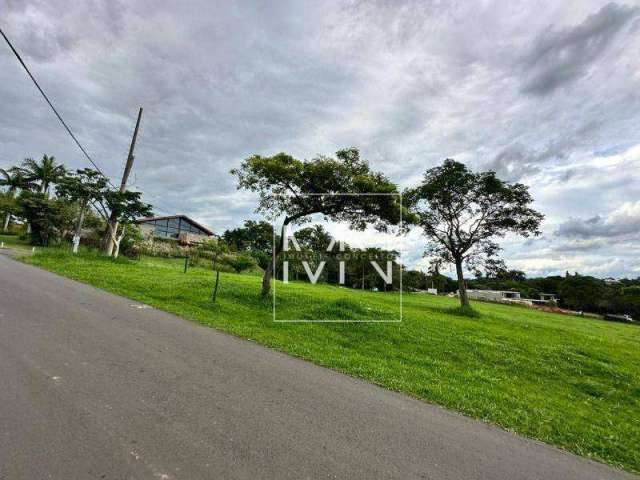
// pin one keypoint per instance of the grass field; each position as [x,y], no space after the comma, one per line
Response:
[13,242]
[568,381]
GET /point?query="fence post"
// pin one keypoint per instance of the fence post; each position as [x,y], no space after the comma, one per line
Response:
[215,290]
[186,263]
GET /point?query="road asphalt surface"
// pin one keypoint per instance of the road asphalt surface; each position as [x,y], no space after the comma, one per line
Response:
[95,386]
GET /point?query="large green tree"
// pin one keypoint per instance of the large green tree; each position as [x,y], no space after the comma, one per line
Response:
[463,213]
[85,187]
[49,218]
[341,189]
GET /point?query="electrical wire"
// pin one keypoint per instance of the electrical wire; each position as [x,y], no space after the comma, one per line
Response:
[64,124]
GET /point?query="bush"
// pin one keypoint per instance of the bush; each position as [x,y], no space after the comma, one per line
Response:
[92,239]
[241,262]
[131,241]
[155,248]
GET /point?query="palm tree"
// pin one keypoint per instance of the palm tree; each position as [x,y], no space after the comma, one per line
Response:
[44,173]
[13,179]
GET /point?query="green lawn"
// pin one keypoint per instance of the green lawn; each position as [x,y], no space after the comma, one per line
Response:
[13,242]
[568,381]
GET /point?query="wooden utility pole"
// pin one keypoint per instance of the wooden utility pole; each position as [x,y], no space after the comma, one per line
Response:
[112,225]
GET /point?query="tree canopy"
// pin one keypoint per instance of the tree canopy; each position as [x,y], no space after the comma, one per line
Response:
[86,186]
[463,213]
[342,189]
[43,173]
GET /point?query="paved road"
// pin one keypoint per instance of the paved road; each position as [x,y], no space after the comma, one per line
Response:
[91,386]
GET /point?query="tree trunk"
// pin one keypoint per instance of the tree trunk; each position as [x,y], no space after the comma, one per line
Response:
[112,228]
[266,278]
[78,231]
[215,290]
[7,219]
[116,242]
[462,288]
[108,239]
[268,272]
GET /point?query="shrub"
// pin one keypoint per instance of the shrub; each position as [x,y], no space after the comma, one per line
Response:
[155,248]
[129,245]
[242,261]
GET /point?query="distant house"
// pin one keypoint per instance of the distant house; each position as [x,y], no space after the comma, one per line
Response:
[178,227]
[494,295]
[545,299]
[511,296]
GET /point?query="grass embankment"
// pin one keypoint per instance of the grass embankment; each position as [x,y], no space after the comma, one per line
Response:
[568,381]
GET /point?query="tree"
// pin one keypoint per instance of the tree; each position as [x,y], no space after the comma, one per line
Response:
[415,280]
[8,206]
[125,207]
[45,173]
[362,274]
[255,238]
[13,180]
[47,217]
[463,213]
[580,292]
[296,189]
[86,186]
[314,242]
[315,238]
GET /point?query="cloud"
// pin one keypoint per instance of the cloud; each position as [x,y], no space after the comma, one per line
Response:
[619,224]
[410,83]
[580,245]
[561,56]
[517,161]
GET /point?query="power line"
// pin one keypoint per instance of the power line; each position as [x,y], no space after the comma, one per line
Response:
[15,52]
[35,82]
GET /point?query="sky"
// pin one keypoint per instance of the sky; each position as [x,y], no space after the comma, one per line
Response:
[544,93]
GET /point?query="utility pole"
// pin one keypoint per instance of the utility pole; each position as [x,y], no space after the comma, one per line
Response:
[112,225]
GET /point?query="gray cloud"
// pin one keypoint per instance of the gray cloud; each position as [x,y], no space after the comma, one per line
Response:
[580,245]
[561,56]
[517,160]
[618,225]
[409,83]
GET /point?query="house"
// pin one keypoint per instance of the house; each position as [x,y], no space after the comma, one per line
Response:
[494,295]
[505,296]
[178,227]
[545,299]
[511,296]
